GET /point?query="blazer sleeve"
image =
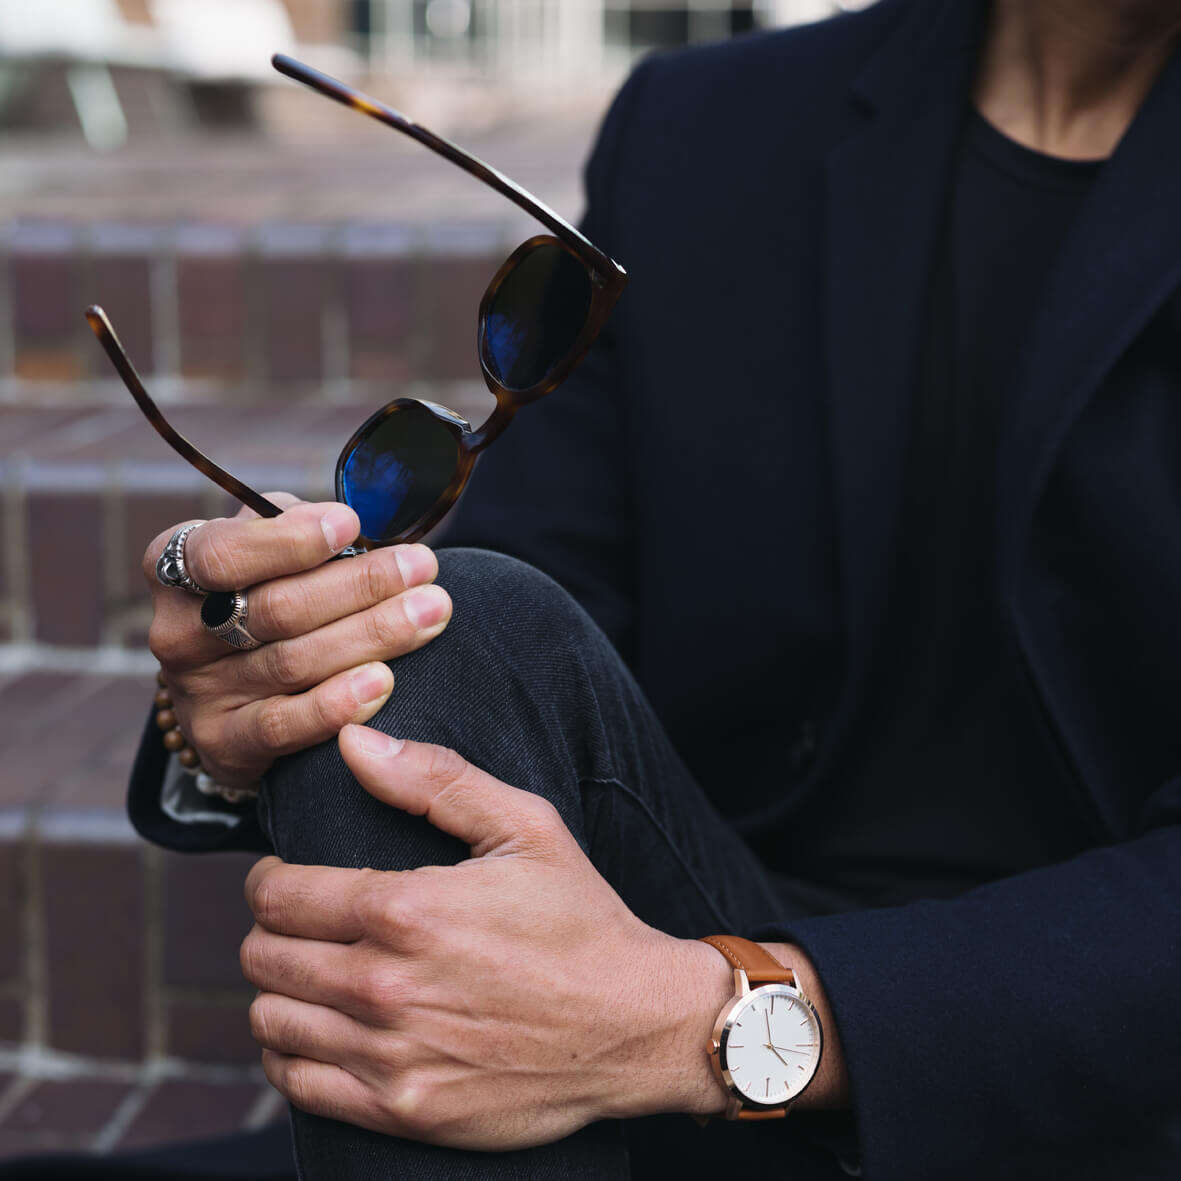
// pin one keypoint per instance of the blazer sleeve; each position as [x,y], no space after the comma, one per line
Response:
[1028,1028]
[166,809]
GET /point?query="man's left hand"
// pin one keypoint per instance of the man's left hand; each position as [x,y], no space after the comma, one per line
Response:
[499,1003]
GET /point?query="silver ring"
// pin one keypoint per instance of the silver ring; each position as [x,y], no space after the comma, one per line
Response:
[170,566]
[224,614]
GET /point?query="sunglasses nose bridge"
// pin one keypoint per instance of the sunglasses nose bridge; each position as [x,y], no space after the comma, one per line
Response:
[493,426]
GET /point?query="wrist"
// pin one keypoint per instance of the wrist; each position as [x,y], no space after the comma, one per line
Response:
[705,987]
[666,1068]
[830,1088]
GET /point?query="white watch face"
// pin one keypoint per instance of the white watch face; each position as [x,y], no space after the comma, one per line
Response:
[770,1044]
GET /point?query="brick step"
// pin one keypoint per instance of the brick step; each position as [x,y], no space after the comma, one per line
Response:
[96,1109]
[110,950]
[234,313]
[83,491]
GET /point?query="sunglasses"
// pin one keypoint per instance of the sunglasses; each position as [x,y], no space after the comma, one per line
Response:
[405,467]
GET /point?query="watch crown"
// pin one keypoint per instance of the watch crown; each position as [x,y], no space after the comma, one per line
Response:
[714,1045]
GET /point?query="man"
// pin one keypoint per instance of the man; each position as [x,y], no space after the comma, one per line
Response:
[873,484]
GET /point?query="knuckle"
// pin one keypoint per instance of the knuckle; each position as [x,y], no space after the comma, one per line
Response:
[381,991]
[272,726]
[539,810]
[443,765]
[375,580]
[205,733]
[251,957]
[329,709]
[262,1020]
[267,903]
[212,558]
[163,641]
[383,630]
[297,1084]
[545,815]
[537,823]
[282,666]
[280,605]
[297,547]
[410,1109]
[384,911]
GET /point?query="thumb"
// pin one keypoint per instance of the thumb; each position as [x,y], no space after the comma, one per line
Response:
[489,816]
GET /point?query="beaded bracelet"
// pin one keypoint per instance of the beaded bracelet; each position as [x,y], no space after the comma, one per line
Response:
[190,761]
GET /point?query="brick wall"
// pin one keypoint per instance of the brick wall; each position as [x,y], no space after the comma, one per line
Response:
[281,305]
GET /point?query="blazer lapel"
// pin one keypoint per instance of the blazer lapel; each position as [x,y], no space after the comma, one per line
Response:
[886,195]
[1121,261]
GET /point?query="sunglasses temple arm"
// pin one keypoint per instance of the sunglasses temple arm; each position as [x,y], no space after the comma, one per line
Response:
[102,328]
[334,89]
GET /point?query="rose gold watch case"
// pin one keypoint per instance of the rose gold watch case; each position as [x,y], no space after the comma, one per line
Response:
[721,1035]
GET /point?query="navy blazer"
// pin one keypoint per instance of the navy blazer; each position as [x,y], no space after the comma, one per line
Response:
[776,200]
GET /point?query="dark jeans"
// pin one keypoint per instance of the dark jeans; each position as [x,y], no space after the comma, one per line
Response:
[524,685]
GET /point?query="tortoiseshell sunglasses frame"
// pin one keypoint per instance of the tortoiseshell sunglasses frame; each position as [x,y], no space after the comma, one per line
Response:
[607,281]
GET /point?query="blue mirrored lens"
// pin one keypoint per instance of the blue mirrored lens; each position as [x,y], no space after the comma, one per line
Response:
[395,475]
[536,316]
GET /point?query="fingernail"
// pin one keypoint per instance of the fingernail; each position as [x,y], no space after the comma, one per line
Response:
[374,742]
[415,562]
[337,524]
[426,605]
[370,684]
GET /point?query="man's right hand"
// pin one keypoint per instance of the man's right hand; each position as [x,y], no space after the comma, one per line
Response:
[327,630]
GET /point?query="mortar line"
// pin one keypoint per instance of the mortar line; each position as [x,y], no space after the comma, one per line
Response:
[36,950]
[122,1118]
[264,1110]
[153,968]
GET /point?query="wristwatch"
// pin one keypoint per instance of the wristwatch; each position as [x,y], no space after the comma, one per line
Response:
[767,1041]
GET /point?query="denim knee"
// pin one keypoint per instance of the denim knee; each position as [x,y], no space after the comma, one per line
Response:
[499,597]
[520,664]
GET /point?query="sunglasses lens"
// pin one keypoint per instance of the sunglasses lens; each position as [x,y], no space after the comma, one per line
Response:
[536,315]
[398,471]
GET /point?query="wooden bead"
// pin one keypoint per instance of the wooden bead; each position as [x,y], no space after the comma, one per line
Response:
[188,758]
[166,719]
[163,699]
[160,678]
[174,741]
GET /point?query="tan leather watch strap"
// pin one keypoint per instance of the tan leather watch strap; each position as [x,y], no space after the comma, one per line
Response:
[760,966]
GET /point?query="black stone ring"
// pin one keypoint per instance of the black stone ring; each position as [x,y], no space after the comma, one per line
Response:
[223,614]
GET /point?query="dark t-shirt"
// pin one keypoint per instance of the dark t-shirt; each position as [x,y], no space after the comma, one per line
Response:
[958,781]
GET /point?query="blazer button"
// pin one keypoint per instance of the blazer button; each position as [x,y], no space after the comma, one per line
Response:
[803,750]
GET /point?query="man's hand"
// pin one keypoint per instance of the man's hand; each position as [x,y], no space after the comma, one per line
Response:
[499,1003]
[327,631]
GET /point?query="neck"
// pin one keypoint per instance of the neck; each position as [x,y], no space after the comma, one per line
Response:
[1066,77]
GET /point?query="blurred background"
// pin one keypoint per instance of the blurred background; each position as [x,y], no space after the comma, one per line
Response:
[277,268]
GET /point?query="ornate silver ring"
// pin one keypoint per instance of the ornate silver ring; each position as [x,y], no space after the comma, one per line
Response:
[170,566]
[224,614]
